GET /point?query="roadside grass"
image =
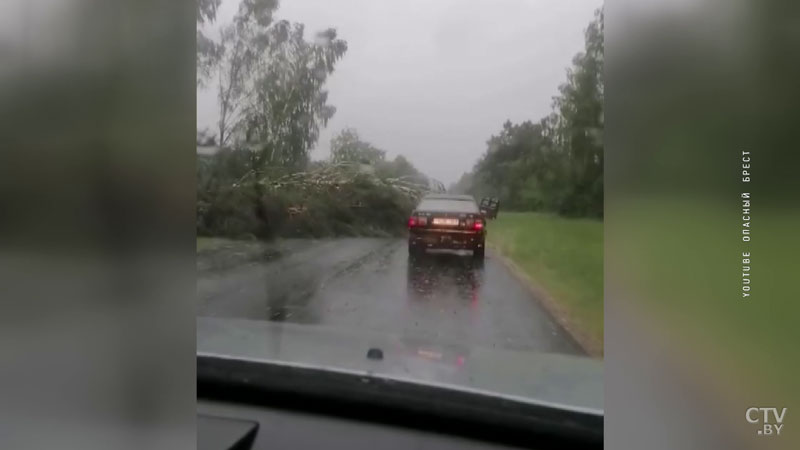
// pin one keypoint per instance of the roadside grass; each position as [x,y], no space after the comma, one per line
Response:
[563,256]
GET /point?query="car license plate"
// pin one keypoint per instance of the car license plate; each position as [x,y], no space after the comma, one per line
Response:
[445,221]
[446,239]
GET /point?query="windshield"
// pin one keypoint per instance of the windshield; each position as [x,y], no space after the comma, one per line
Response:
[334,138]
[448,205]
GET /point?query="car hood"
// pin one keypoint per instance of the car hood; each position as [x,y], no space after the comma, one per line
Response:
[563,381]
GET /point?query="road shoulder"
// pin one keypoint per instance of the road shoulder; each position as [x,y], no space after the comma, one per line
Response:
[591,345]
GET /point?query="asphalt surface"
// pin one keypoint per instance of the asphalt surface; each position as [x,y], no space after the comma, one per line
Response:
[372,284]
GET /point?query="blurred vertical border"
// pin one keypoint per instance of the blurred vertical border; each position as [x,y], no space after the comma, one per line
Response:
[97,154]
[690,86]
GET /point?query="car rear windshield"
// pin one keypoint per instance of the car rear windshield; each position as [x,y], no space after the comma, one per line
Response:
[448,205]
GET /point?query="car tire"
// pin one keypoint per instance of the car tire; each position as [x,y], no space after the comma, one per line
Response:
[413,251]
[479,253]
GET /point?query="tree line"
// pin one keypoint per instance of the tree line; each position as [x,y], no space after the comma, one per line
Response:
[555,164]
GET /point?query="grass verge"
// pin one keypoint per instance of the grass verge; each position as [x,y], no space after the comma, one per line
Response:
[564,258]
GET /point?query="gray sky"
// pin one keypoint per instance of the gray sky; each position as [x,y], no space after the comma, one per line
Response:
[434,79]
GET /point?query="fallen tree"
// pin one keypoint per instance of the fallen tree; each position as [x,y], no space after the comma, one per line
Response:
[337,176]
[332,199]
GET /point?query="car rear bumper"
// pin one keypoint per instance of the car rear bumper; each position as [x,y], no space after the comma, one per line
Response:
[446,239]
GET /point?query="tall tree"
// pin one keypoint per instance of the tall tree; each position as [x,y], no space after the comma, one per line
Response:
[243,43]
[233,58]
[208,51]
[557,163]
[270,83]
[580,123]
[289,104]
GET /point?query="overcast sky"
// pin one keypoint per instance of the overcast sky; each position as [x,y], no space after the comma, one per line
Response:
[434,79]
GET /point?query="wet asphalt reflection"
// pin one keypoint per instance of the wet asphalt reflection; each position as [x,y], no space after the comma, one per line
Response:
[373,284]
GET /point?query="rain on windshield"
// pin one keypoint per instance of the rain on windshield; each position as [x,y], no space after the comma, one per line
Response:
[337,145]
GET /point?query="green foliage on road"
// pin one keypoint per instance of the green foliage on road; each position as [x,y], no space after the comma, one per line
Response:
[346,199]
[563,256]
[555,164]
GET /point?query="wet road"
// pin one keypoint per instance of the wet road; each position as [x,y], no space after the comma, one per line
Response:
[372,284]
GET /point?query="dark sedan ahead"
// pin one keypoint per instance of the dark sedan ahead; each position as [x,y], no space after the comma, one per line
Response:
[447,222]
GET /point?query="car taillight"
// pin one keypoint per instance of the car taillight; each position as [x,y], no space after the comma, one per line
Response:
[478,225]
[417,221]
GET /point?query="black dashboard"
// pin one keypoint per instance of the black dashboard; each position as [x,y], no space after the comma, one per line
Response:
[252,405]
[223,425]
